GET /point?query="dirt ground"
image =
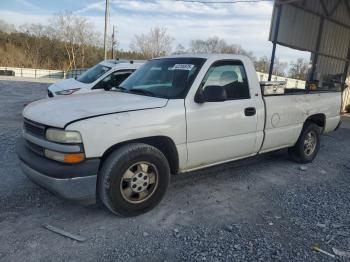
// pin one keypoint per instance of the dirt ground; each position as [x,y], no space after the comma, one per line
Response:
[265,208]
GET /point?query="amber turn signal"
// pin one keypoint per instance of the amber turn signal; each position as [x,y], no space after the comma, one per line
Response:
[69,158]
[73,158]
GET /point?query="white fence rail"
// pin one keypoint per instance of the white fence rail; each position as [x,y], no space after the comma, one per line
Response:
[41,73]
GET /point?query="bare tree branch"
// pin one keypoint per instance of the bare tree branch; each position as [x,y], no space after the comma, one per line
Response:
[156,43]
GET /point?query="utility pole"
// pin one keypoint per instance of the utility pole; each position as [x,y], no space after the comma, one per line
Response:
[113,43]
[105,35]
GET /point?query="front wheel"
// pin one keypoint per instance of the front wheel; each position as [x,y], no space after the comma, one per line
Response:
[308,144]
[133,179]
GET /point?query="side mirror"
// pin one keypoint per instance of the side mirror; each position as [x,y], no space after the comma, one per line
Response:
[106,85]
[211,94]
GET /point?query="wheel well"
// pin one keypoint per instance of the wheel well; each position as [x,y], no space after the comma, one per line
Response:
[162,143]
[318,119]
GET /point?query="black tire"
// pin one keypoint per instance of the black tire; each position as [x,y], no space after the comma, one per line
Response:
[111,178]
[298,153]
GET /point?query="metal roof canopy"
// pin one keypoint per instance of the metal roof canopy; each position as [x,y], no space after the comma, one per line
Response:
[321,27]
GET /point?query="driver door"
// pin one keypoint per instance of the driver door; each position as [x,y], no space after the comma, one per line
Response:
[225,130]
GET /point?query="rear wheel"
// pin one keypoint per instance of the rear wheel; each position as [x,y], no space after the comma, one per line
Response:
[308,144]
[133,179]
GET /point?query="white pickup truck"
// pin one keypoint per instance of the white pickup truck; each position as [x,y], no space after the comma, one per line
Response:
[102,76]
[173,115]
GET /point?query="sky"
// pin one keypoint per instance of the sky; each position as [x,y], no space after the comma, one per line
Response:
[246,24]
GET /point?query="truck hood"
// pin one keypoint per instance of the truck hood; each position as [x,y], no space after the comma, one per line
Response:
[68,84]
[60,111]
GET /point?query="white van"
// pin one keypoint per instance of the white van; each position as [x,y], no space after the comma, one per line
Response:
[103,76]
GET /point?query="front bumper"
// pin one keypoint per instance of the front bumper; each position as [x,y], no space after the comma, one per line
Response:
[76,182]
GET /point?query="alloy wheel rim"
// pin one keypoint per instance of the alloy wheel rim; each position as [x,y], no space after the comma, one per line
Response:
[139,182]
[310,143]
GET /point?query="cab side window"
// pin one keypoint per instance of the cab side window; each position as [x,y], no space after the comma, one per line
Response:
[232,76]
[114,79]
[119,78]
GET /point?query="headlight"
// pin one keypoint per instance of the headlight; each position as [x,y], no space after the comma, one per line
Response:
[62,136]
[67,92]
[69,158]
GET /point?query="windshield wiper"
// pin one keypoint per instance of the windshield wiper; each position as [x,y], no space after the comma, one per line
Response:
[135,91]
[142,92]
[118,88]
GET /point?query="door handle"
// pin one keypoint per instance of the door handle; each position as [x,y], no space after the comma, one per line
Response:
[250,111]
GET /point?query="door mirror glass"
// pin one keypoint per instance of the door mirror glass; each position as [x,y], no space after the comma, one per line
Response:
[212,94]
[106,85]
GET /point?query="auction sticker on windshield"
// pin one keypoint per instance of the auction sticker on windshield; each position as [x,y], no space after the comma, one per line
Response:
[187,67]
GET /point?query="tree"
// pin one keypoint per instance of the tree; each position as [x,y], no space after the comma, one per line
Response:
[262,64]
[10,55]
[77,33]
[36,46]
[279,67]
[42,46]
[299,69]
[217,46]
[210,45]
[180,49]
[156,43]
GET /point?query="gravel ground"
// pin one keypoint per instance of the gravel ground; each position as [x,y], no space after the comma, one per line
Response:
[261,209]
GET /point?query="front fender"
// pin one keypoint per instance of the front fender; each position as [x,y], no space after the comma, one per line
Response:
[102,132]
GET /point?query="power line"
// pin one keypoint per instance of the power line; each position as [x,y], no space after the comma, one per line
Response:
[203,1]
[223,2]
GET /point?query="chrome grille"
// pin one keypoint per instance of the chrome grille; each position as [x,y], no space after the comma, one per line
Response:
[35,148]
[34,128]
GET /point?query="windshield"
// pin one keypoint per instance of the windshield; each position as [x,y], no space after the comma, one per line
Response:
[93,73]
[167,77]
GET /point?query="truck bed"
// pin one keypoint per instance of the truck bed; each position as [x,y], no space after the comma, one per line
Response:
[286,114]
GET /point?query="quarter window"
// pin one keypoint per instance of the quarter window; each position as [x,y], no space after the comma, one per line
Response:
[232,76]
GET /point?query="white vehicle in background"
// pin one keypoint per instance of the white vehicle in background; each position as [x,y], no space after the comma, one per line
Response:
[103,76]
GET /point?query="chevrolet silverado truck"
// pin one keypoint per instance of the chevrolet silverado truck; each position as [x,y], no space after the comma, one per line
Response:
[173,115]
